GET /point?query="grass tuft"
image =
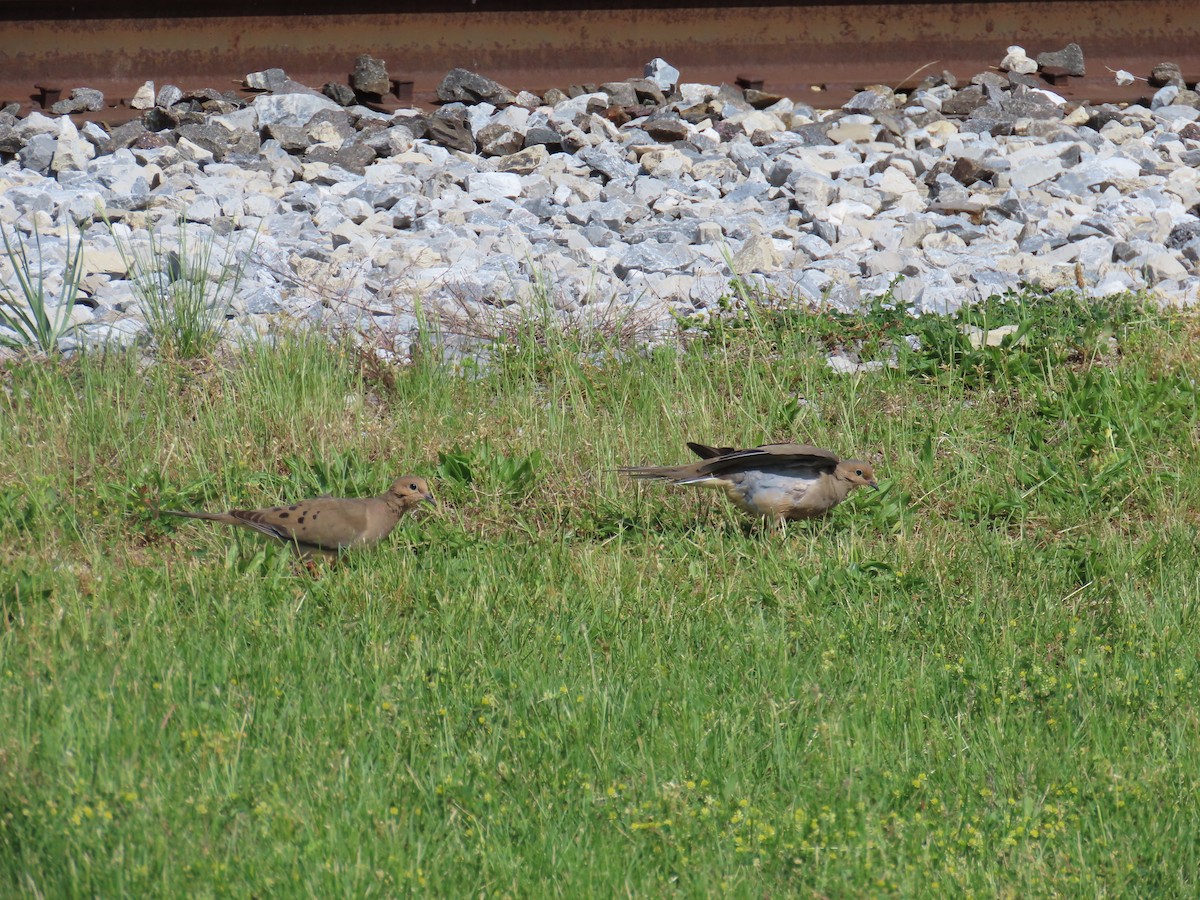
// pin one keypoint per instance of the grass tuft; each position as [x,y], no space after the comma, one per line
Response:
[185,286]
[38,322]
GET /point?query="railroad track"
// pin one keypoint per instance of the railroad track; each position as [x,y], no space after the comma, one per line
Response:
[817,52]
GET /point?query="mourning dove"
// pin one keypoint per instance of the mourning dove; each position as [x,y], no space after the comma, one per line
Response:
[776,481]
[324,526]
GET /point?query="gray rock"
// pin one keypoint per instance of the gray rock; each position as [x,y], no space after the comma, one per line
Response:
[1165,96]
[331,126]
[260,205]
[38,153]
[1018,80]
[463,86]
[1067,61]
[764,99]
[666,127]
[872,99]
[964,102]
[266,80]
[578,109]
[290,137]
[81,100]
[1034,172]
[220,141]
[1167,73]
[341,94]
[608,162]
[527,100]
[1163,267]
[480,115]
[448,127]
[1182,234]
[203,210]
[648,91]
[353,156]
[544,136]
[370,77]
[415,124]
[11,140]
[160,120]
[1102,115]
[620,93]
[1186,108]
[36,123]
[499,140]
[1087,175]
[524,162]
[651,257]
[259,300]
[122,136]
[290,109]
[612,214]
[933,292]
[813,134]
[168,96]
[94,134]
[664,75]
[1030,104]
[990,119]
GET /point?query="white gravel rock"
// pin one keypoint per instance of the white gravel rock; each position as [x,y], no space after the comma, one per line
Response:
[1017,61]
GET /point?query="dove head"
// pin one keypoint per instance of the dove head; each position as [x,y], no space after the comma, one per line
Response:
[857,473]
[411,490]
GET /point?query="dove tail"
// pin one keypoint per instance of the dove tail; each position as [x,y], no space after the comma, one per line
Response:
[678,475]
[648,471]
[187,514]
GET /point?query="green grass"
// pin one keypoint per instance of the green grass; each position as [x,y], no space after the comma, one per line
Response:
[980,680]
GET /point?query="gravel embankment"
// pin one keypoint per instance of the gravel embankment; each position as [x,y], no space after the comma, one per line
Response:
[638,196]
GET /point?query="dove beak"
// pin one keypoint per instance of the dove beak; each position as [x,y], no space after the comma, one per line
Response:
[874,485]
[428,498]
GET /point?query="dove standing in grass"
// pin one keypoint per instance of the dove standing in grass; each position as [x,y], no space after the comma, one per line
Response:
[324,526]
[776,481]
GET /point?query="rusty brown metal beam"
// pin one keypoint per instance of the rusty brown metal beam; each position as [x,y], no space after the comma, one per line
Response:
[814,52]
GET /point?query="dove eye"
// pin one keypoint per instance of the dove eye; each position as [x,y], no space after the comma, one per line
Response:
[858,472]
[413,486]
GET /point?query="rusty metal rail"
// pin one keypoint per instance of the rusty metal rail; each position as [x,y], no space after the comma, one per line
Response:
[818,52]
